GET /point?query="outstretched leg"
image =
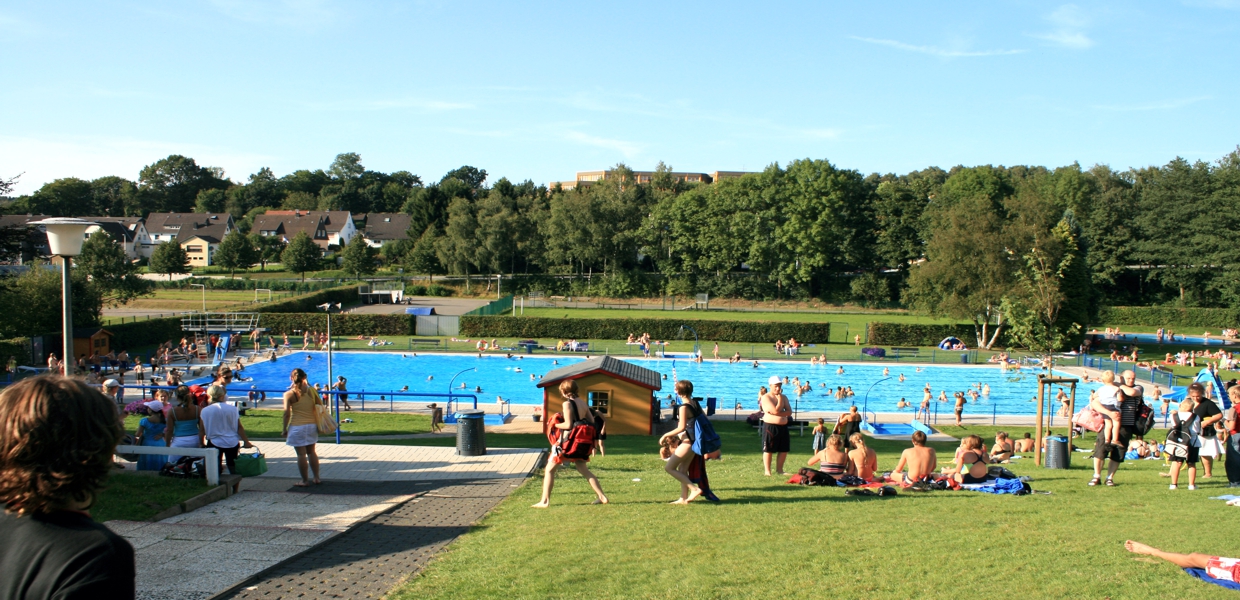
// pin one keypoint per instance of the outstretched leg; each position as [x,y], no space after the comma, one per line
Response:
[594,485]
[548,484]
[1184,561]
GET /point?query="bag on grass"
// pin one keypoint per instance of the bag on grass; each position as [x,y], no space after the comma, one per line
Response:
[1088,419]
[186,467]
[811,477]
[1179,440]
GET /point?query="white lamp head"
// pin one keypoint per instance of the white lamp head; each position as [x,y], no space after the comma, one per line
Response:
[65,235]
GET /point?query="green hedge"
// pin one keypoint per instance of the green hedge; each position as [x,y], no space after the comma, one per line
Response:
[19,348]
[130,336]
[310,302]
[659,329]
[916,334]
[1162,316]
[343,324]
[275,285]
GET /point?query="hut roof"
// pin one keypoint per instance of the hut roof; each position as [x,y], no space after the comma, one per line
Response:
[605,364]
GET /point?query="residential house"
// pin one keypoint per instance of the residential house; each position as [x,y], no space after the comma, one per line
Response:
[381,229]
[199,233]
[337,225]
[35,244]
[129,232]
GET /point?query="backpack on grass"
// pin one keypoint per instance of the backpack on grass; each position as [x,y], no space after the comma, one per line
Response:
[186,467]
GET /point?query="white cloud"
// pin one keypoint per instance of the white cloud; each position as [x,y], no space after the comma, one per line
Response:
[628,149]
[53,157]
[1070,22]
[1156,105]
[935,50]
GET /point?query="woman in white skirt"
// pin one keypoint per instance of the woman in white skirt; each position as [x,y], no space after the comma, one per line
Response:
[184,429]
[301,428]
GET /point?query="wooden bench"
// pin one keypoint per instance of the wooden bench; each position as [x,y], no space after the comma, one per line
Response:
[423,344]
[905,352]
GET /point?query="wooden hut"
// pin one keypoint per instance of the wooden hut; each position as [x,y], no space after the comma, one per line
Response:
[621,391]
[88,340]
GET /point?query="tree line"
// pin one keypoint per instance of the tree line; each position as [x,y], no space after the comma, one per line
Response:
[946,241]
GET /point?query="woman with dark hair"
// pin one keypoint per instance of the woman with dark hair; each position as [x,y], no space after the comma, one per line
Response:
[301,428]
[57,437]
[184,430]
[682,454]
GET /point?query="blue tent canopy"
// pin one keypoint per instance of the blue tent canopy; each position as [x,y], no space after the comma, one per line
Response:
[948,342]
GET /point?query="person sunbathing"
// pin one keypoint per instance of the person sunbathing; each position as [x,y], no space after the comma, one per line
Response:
[920,461]
[1226,569]
[971,461]
[1002,450]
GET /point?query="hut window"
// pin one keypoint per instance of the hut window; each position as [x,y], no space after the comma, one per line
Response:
[601,401]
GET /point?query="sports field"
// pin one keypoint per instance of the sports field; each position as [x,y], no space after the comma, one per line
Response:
[771,539]
[184,300]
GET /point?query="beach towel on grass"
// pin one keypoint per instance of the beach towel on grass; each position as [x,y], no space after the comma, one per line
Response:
[1015,487]
[1202,575]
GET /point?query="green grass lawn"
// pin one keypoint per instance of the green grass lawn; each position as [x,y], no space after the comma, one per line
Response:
[134,497]
[269,423]
[192,299]
[772,539]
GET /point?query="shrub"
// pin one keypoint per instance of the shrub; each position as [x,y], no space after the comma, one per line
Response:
[415,290]
[438,290]
[343,324]
[310,302]
[129,336]
[920,334]
[19,348]
[1166,316]
[661,329]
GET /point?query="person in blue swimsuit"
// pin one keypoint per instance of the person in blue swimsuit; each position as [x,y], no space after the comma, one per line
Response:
[151,433]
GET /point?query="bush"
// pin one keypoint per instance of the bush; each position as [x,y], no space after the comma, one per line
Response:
[310,302]
[20,348]
[1166,316]
[660,329]
[343,324]
[438,290]
[275,285]
[918,334]
[415,290]
[128,336]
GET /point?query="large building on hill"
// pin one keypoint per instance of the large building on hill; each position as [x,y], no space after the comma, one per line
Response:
[587,178]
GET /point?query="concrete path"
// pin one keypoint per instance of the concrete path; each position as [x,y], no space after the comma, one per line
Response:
[199,554]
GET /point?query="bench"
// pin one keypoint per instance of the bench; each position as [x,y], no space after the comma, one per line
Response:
[905,352]
[619,305]
[423,344]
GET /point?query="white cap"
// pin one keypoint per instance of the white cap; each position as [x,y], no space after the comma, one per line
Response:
[774,380]
[111,383]
[155,405]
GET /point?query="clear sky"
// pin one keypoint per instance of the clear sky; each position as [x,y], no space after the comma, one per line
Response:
[542,90]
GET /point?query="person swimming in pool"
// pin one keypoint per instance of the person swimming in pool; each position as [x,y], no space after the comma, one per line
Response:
[840,371]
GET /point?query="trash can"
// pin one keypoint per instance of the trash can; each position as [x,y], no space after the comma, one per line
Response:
[964,358]
[470,433]
[1057,454]
[711,404]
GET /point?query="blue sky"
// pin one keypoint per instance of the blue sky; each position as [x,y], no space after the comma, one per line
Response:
[543,90]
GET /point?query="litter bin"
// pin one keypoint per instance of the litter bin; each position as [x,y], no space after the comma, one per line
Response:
[470,433]
[964,358]
[1057,453]
[711,404]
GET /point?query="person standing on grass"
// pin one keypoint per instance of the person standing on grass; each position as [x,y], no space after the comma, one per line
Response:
[1187,421]
[1232,464]
[574,409]
[775,413]
[222,429]
[1113,454]
[677,464]
[1209,414]
[301,429]
[55,455]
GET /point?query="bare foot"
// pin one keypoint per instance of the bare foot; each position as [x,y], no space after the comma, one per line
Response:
[540,505]
[302,484]
[694,492]
[679,501]
[782,473]
[602,500]
[768,473]
[317,481]
[1138,548]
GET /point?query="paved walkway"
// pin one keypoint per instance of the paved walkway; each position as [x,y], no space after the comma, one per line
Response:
[202,553]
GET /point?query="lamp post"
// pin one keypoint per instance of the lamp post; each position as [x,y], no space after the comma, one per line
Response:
[204,295]
[330,381]
[64,239]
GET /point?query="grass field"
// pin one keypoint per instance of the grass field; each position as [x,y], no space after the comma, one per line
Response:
[268,423]
[770,539]
[180,300]
[135,497]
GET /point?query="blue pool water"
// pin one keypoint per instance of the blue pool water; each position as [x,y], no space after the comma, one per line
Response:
[382,373]
[1152,338]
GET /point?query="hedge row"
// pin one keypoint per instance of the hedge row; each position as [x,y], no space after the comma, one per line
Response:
[275,285]
[1161,316]
[343,324]
[19,348]
[129,336]
[917,334]
[310,302]
[659,329]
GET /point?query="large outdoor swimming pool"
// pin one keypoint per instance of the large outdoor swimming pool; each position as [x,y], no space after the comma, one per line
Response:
[375,374]
[1152,338]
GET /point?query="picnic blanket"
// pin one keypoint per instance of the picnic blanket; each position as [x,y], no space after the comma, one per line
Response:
[1015,487]
[1202,575]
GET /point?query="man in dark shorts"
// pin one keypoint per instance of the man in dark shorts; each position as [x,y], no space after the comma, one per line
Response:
[775,413]
[1128,400]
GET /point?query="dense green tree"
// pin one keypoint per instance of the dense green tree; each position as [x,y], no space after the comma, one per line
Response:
[422,258]
[236,251]
[62,198]
[267,248]
[472,177]
[114,276]
[169,258]
[301,255]
[210,201]
[31,302]
[358,258]
[457,249]
[175,182]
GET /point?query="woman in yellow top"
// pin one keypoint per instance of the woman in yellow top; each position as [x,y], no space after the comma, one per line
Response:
[301,428]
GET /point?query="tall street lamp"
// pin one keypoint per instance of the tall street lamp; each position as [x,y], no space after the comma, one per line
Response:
[64,239]
[330,381]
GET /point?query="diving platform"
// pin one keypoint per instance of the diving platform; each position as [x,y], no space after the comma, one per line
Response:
[220,322]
